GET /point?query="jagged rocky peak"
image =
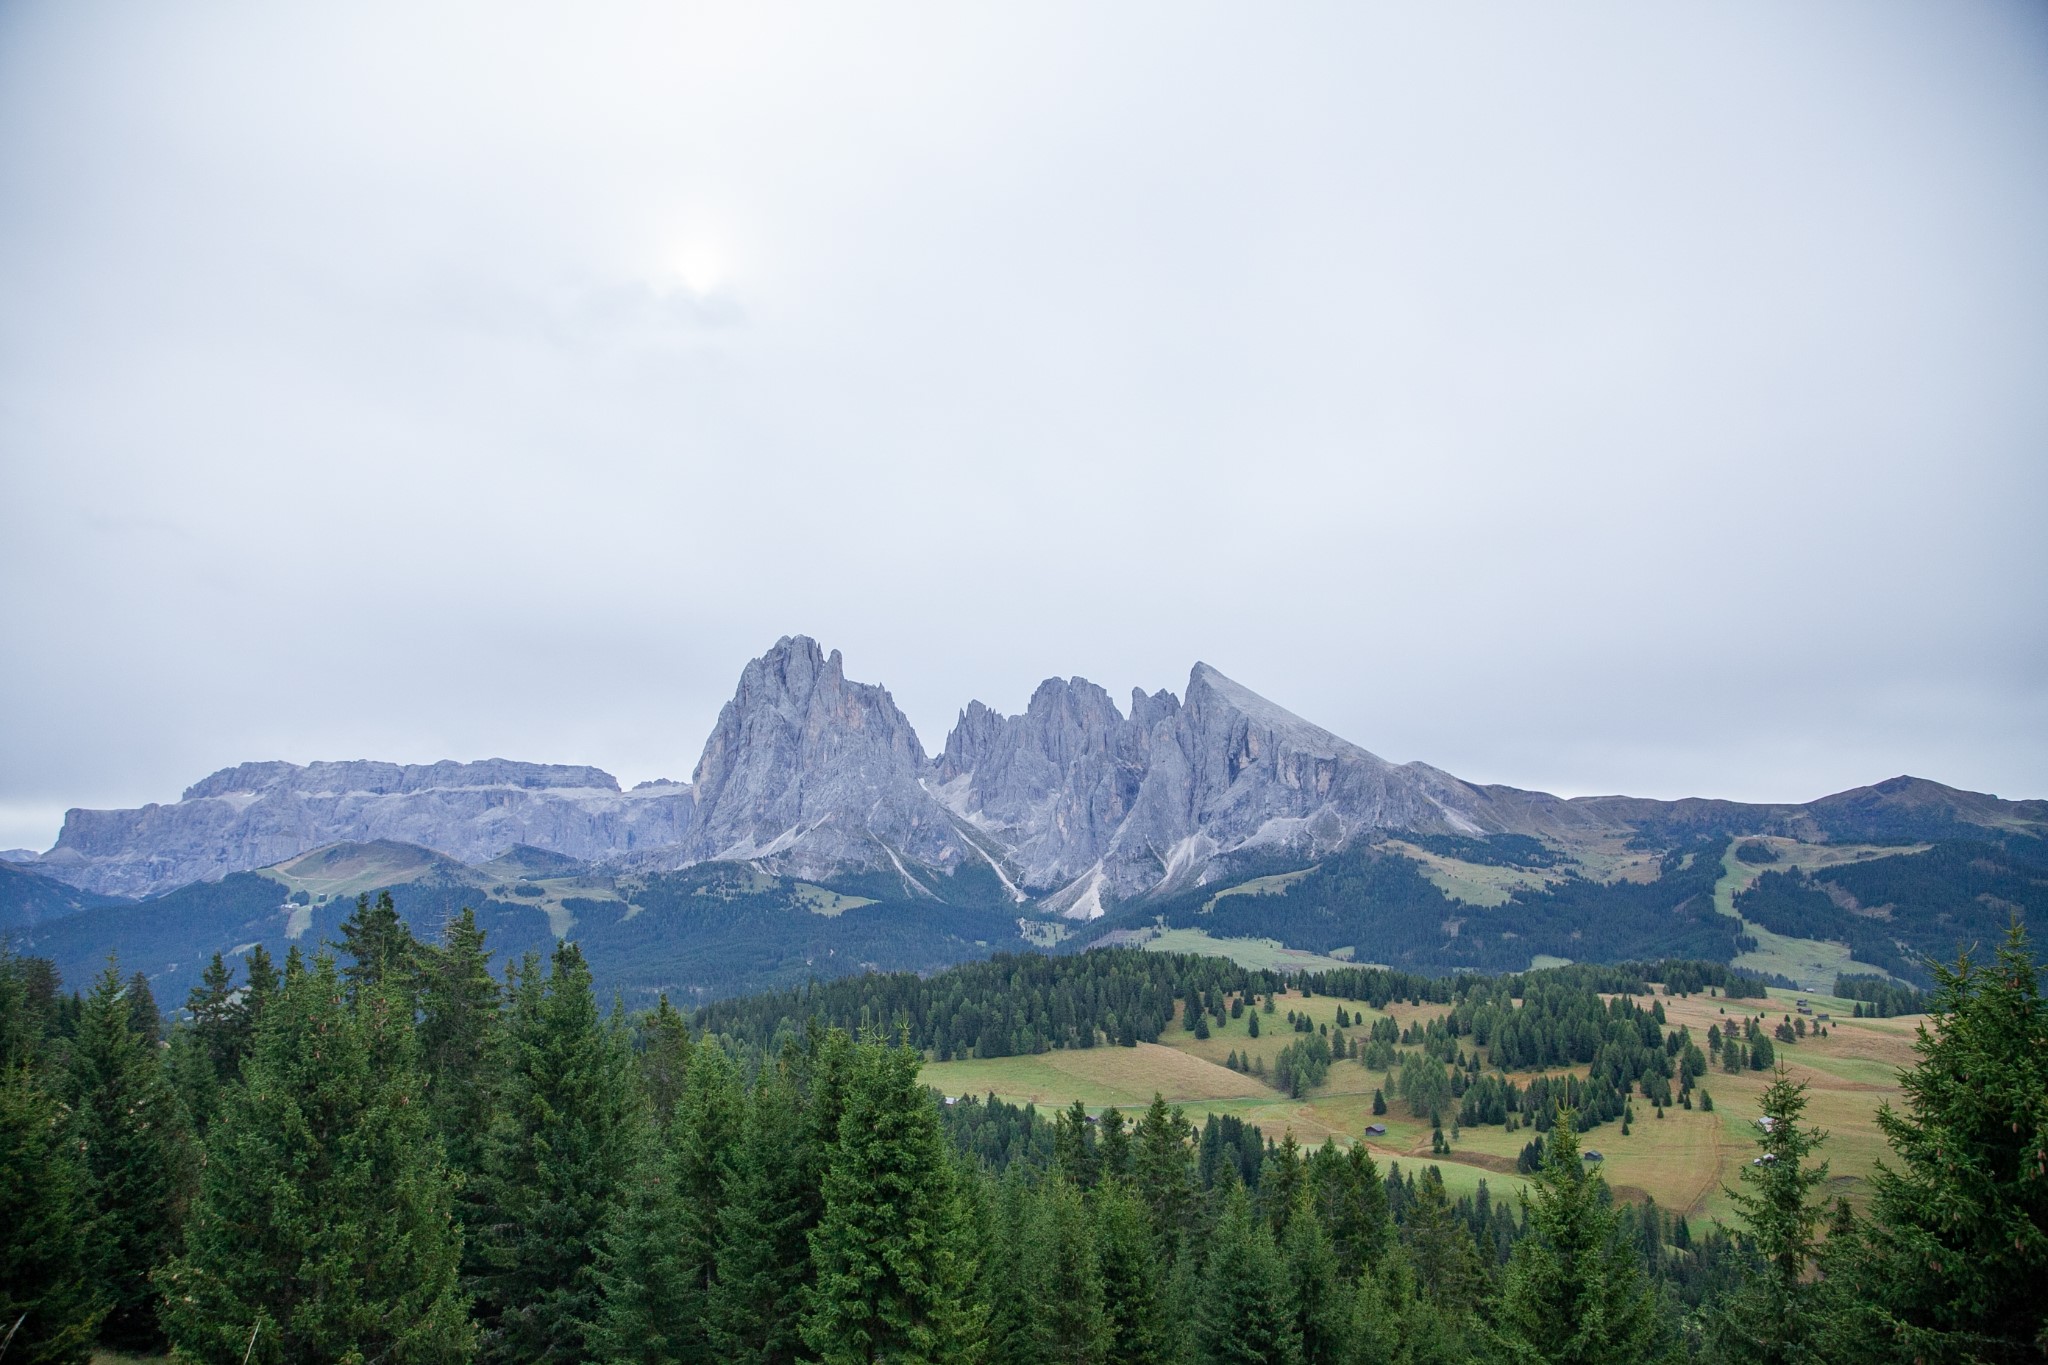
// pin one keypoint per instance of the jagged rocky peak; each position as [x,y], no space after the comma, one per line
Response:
[1052,784]
[1093,803]
[1211,694]
[1066,719]
[1148,711]
[1263,775]
[814,773]
[1102,805]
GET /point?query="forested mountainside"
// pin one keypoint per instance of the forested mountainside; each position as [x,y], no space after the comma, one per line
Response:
[388,1154]
[1897,912]
[1428,905]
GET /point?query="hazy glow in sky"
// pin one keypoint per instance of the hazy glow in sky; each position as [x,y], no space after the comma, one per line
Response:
[1594,398]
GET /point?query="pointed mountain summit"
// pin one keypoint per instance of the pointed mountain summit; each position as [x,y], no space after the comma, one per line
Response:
[810,774]
[1051,786]
[1094,804]
[1252,774]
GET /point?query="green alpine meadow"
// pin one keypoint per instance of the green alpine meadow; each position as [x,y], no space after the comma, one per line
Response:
[389,1150]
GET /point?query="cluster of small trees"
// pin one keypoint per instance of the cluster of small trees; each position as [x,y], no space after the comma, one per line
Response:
[1879,997]
[396,1156]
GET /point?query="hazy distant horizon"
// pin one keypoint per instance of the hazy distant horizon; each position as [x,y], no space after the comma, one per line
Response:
[1603,401]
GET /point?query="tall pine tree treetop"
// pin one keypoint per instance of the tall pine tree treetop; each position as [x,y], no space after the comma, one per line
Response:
[1951,1263]
[1574,1292]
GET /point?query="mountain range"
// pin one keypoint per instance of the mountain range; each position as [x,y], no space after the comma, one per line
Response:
[817,836]
[1074,805]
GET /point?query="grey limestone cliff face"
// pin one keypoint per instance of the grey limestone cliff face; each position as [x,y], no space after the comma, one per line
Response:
[259,814]
[1253,774]
[1093,804]
[1050,786]
[810,774]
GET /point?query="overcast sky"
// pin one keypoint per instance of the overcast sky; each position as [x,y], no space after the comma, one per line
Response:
[1595,398]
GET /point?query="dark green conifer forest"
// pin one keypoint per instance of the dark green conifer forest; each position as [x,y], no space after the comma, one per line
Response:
[406,1152]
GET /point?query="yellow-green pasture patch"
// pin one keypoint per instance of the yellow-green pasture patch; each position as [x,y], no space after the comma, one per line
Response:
[1259,954]
[820,901]
[1811,962]
[1098,1077]
[1474,883]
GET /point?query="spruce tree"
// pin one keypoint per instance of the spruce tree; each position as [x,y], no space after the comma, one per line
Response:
[1393,1324]
[764,1232]
[131,1140]
[1770,1319]
[1247,1313]
[1165,1174]
[1322,1312]
[1114,1145]
[664,1056]
[891,1274]
[262,983]
[143,1015]
[1133,1297]
[660,1274]
[821,1069]
[1069,1279]
[46,1296]
[1353,1201]
[208,1049]
[324,1219]
[1073,1145]
[1283,1182]
[27,1002]
[1950,1263]
[460,1040]
[1009,1297]
[1439,1244]
[1574,1292]
[381,950]
[563,1146]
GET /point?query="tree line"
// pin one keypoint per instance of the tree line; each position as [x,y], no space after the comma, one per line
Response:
[391,1153]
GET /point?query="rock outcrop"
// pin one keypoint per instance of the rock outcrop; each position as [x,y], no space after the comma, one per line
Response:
[1049,787]
[1094,804]
[810,774]
[260,814]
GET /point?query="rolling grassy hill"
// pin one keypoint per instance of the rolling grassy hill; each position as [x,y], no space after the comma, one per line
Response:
[1682,1160]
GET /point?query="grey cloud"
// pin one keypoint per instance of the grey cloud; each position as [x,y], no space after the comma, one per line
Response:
[1612,400]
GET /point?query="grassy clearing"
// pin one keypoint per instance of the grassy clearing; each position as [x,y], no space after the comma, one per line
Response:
[1849,1074]
[1683,1160]
[1042,933]
[830,904]
[1098,1077]
[1262,886]
[1810,962]
[1610,859]
[344,871]
[1474,883]
[1259,954]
